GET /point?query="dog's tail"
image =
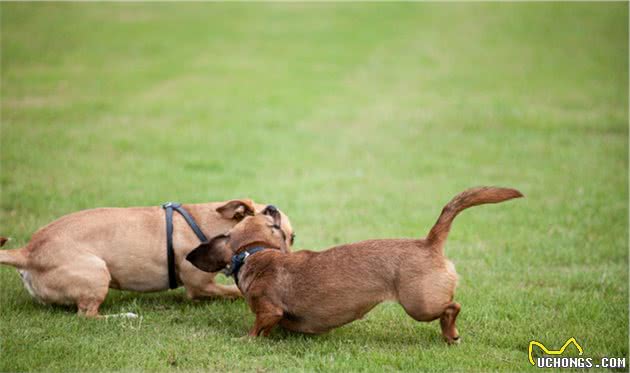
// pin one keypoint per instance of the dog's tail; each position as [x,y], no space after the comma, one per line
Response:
[468,198]
[15,258]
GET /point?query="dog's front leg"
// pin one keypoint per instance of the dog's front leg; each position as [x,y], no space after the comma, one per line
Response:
[267,316]
[213,290]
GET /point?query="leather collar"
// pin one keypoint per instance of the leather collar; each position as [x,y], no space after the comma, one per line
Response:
[239,259]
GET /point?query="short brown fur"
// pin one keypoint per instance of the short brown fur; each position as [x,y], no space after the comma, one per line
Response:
[313,292]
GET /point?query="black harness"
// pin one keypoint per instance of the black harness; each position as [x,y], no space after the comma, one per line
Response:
[170,254]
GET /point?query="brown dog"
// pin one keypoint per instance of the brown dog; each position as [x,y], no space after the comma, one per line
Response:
[77,258]
[313,292]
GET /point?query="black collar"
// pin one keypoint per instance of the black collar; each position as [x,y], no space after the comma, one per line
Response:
[239,259]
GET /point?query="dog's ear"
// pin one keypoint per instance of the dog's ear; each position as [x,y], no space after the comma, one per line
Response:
[237,209]
[211,256]
[272,211]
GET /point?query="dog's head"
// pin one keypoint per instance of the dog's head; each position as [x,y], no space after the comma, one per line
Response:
[263,229]
[238,209]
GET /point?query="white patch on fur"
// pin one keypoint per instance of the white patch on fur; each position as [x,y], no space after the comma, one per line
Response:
[27,279]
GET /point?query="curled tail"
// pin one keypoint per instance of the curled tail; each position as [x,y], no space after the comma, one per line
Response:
[15,258]
[468,198]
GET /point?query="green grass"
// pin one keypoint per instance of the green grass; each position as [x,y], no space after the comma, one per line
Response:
[358,120]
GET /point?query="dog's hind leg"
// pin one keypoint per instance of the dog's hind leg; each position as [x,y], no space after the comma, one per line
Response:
[429,296]
[447,322]
[84,282]
[88,307]
[92,293]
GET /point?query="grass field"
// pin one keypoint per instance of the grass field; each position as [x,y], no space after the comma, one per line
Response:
[359,121]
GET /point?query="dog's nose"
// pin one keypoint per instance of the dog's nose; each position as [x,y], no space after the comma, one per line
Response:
[270,210]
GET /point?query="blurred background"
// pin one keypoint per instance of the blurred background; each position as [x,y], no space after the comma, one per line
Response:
[357,120]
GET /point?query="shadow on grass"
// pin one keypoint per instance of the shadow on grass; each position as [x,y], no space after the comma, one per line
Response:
[356,333]
[127,301]
[233,319]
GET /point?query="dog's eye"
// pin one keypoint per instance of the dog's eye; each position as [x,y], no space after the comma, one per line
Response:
[292,238]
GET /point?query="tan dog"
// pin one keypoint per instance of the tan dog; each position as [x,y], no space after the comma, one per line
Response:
[77,258]
[313,292]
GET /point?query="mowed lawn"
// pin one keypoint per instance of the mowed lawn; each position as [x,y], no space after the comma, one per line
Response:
[359,121]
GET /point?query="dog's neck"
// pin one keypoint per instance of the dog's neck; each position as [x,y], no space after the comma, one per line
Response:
[241,255]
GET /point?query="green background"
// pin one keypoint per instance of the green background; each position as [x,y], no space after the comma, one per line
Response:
[359,121]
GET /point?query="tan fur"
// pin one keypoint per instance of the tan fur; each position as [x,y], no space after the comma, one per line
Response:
[313,292]
[77,258]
